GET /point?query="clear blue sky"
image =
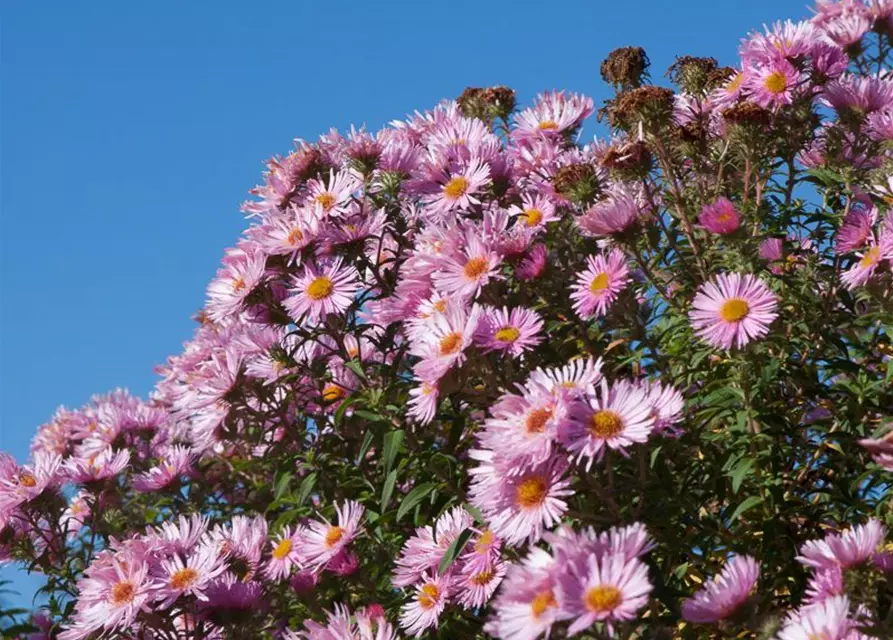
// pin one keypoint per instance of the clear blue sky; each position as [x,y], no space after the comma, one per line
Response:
[131,131]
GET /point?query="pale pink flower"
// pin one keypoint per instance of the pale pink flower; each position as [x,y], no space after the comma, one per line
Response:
[332,198]
[423,611]
[320,291]
[721,597]
[285,553]
[322,541]
[733,309]
[598,286]
[513,332]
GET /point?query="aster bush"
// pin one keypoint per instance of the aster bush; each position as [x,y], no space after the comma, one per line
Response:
[479,375]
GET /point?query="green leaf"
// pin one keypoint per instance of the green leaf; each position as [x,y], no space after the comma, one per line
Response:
[371,416]
[750,502]
[355,366]
[282,485]
[740,472]
[364,448]
[413,498]
[475,513]
[392,442]
[306,487]
[388,489]
[453,552]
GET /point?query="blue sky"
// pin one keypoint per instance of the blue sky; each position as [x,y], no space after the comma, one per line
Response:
[130,132]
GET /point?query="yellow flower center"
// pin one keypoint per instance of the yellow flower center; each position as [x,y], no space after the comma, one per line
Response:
[27,480]
[184,578]
[333,536]
[450,343]
[532,217]
[603,598]
[326,200]
[531,492]
[483,543]
[735,82]
[332,392]
[482,578]
[775,82]
[321,287]
[428,596]
[507,334]
[605,424]
[536,420]
[871,256]
[123,593]
[455,188]
[734,310]
[239,284]
[476,267]
[543,601]
[282,549]
[440,306]
[547,125]
[295,236]
[600,282]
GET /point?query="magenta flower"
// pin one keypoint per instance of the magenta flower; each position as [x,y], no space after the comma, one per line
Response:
[722,596]
[106,464]
[466,275]
[847,549]
[513,332]
[333,197]
[775,84]
[535,212]
[598,286]
[242,270]
[459,190]
[862,271]
[526,607]
[19,485]
[533,263]
[733,309]
[827,619]
[319,292]
[176,463]
[720,217]
[554,113]
[855,231]
[612,216]
[444,344]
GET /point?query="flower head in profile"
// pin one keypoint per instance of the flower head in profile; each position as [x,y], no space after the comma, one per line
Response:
[722,596]
[526,607]
[720,217]
[865,266]
[176,463]
[322,541]
[611,216]
[828,619]
[598,286]
[23,484]
[849,548]
[320,291]
[555,113]
[733,309]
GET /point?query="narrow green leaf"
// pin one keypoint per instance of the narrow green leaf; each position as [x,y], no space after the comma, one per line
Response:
[282,485]
[413,498]
[475,513]
[453,552]
[388,489]
[364,448]
[750,502]
[392,442]
[372,416]
[355,366]
[740,472]
[306,487]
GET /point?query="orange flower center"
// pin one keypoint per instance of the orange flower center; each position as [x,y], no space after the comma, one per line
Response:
[871,256]
[184,578]
[239,284]
[775,82]
[455,188]
[482,578]
[507,334]
[333,536]
[532,492]
[282,549]
[123,593]
[428,596]
[320,288]
[600,282]
[605,424]
[533,217]
[603,598]
[536,420]
[450,343]
[734,310]
[332,392]
[476,267]
[440,306]
[541,602]
[326,200]
[547,125]
[295,236]
[27,480]
[735,82]
[483,543]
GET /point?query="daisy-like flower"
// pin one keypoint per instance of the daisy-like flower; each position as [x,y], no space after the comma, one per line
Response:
[667,405]
[465,276]
[104,465]
[775,84]
[728,94]
[720,217]
[188,577]
[333,197]
[555,113]
[615,418]
[576,378]
[423,611]
[535,212]
[476,585]
[458,190]
[861,271]
[445,342]
[599,285]
[855,231]
[852,547]
[514,331]
[526,607]
[176,463]
[321,291]
[284,553]
[611,216]
[23,484]
[722,596]
[733,309]
[533,263]
[824,584]
[611,588]
[182,535]
[422,405]
[75,516]
[241,272]
[827,620]
[322,541]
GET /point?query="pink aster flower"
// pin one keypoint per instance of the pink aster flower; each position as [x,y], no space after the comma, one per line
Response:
[554,113]
[598,286]
[615,418]
[861,271]
[720,217]
[535,212]
[667,405]
[525,607]
[19,485]
[577,378]
[855,231]
[472,270]
[423,611]
[241,272]
[423,399]
[775,84]
[824,584]
[444,345]
[181,535]
[284,553]
[105,464]
[179,577]
[610,589]
[733,309]
[827,620]
[862,94]
[611,216]
[176,463]
[722,596]
[524,427]
[322,541]
[533,263]
[74,518]
[458,190]
[514,331]
[318,292]
[847,549]
[474,586]
[332,198]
